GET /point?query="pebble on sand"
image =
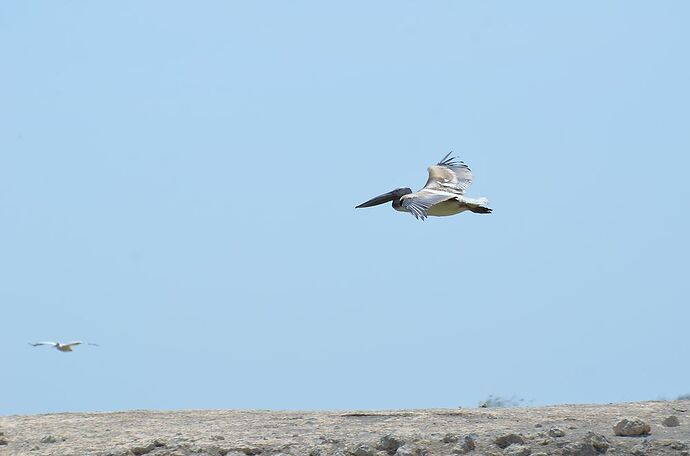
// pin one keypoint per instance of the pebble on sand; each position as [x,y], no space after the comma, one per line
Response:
[450,438]
[556,432]
[671,421]
[517,450]
[631,427]
[408,450]
[52,439]
[364,450]
[145,449]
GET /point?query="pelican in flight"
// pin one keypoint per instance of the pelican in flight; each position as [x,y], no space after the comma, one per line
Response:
[62,347]
[443,194]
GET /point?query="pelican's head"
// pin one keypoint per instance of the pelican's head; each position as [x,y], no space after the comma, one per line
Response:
[393,196]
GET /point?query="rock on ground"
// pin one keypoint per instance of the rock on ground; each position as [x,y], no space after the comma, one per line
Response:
[505,441]
[631,427]
[410,450]
[671,421]
[468,444]
[390,444]
[591,444]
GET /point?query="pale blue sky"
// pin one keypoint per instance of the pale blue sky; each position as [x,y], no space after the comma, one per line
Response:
[178,182]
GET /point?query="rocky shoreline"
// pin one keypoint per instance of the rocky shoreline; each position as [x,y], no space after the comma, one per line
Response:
[642,428]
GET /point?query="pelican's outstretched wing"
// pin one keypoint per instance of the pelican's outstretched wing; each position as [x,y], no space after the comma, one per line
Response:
[36,344]
[418,203]
[449,175]
[72,344]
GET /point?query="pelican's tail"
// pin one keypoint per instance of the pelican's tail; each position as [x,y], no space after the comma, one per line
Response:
[478,205]
[481,210]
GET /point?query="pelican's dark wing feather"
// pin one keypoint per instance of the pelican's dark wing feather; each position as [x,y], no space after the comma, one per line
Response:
[36,344]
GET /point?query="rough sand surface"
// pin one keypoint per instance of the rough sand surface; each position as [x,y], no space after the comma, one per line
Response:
[587,429]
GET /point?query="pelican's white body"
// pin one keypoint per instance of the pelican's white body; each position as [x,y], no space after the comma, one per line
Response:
[454,204]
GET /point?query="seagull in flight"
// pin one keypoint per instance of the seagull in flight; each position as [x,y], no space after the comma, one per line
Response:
[443,194]
[61,347]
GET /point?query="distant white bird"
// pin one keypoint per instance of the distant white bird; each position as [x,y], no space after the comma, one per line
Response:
[61,347]
[443,194]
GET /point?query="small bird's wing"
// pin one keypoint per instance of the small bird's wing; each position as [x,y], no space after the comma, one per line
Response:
[36,344]
[418,203]
[72,344]
[449,175]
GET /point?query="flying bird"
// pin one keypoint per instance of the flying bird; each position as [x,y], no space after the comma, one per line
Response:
[62,347]
[443,194]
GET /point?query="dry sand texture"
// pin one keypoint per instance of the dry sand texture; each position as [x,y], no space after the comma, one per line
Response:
[585,430]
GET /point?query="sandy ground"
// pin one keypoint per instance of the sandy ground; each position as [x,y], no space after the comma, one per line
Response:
[587,430]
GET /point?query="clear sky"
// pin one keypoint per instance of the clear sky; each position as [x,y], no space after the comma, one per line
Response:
[178,182]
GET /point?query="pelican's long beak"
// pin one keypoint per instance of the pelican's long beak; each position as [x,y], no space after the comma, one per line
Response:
[386,197]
